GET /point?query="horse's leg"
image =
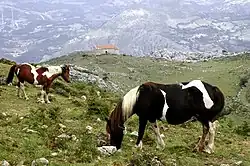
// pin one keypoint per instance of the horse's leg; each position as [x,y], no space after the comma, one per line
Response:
[201,144]
[42,95]
[23,89]
[142,126]
[160,142]
[210,146]
[47,94]
[18,89]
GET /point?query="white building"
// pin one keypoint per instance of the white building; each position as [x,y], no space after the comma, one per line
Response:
[106,49]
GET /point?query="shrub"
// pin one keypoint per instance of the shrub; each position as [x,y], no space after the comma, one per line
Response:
[79,85]
[243,129]
[6,61]
[63,89]
[78,102]
[98,107]
[84,55]
[235,105]
[51,118]
[44,116]
[2,80]
[248,94]
[244,79]
[146,159]
[86,150]
[105,76]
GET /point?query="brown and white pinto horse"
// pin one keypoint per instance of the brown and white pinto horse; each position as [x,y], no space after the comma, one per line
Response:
[174,103]
[43,76]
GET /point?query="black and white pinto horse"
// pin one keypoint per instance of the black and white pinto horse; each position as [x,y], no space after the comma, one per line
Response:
[174,103]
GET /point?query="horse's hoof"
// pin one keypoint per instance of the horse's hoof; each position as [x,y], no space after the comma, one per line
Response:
[139,146]
[195,150]
[26,98]
[42,101]
[208,150]
[198,149]
[159,147]
[48,102]
[119,150]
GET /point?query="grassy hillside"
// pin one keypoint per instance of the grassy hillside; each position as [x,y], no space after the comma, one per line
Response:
[128,71]
[30,130]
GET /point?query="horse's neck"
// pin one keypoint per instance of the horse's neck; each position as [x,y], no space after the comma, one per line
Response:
[53,72]
[117,115]
[126,117]
[54,77]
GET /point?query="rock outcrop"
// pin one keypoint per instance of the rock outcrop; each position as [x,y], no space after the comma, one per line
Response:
[78,73]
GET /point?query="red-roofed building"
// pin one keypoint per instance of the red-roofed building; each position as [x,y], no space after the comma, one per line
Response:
[106,49]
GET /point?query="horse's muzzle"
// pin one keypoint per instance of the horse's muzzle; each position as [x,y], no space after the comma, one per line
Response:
[108,136]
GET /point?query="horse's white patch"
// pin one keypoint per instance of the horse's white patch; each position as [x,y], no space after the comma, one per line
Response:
[33,71]
[18,70]
[198,84]
[139,145]
[23,89]
[212,129]
[125,130]
[129,101]
[52,71]
[160,142]
[165,108]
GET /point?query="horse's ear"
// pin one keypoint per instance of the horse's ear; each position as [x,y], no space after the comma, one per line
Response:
[67,66]
[63,67]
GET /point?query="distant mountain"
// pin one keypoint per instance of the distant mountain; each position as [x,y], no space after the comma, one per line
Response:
[35,30]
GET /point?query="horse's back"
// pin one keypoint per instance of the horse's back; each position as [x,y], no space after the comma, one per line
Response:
[177,99]
[23,72]
[175,96]
[186,103]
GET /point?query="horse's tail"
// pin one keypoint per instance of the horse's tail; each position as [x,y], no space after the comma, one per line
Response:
[11,74]
[219,103]
[128,102]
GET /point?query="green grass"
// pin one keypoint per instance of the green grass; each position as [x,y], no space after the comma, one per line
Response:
[68,108]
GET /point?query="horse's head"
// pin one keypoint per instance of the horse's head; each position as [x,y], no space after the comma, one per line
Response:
[114,132]
[108,128]
[65,73]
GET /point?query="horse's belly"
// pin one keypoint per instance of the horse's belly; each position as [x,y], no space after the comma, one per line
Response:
[175,116]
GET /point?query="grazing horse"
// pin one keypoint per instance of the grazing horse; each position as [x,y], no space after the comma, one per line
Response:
[174,103]
[43,76]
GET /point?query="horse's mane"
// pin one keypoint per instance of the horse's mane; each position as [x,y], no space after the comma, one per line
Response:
[116,117]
